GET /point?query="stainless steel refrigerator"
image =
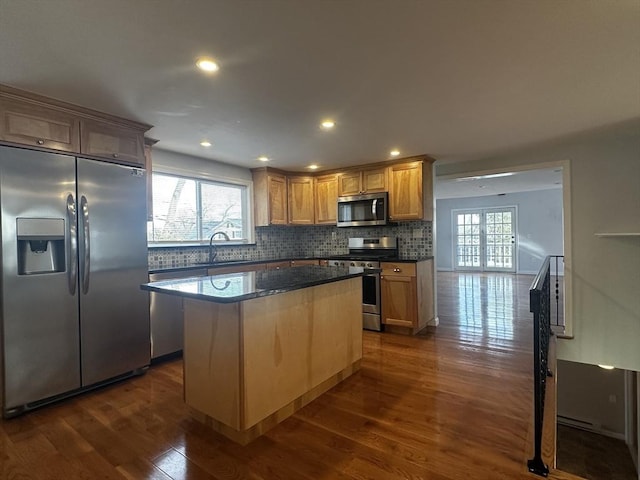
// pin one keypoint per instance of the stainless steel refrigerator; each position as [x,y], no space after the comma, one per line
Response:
[73,256]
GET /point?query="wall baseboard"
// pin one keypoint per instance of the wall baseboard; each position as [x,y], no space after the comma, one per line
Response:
[588,427]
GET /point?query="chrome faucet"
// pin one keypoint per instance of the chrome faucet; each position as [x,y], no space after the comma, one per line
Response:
[213,250]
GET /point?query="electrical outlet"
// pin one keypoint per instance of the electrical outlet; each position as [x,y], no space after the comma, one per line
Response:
[334,235]
[417,233]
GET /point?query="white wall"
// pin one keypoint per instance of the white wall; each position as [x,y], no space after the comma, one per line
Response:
[605,272]
[178,163]
[590,394]
[539,224]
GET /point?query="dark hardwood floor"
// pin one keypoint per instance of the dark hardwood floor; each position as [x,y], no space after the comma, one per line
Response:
[593,456]
[454,402]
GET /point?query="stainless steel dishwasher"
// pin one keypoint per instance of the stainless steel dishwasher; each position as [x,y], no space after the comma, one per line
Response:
[167,329]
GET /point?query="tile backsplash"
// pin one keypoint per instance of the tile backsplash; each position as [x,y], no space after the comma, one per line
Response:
[414,239]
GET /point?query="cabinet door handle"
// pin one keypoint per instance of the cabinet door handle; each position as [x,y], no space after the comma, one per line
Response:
[40,142]
[115,155]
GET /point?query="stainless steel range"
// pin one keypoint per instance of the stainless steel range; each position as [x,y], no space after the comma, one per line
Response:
[367,253]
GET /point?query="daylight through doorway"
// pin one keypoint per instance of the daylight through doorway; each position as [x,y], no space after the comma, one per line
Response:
[485,239]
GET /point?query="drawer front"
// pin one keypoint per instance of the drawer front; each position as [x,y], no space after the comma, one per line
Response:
[398,269]
[29,124]
[301,263]
[278,265]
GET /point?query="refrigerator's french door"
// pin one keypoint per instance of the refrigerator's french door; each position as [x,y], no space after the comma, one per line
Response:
[39,306]
[114,312]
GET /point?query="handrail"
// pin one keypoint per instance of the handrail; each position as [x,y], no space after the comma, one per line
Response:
[540,306]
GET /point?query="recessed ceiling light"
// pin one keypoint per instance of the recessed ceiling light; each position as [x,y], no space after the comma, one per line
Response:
[482,177]
[394,153]
[328,124]
[207,64]
[205,143]
[263,158]
[313,167]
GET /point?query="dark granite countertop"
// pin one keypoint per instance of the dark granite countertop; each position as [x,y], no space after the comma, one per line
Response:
[236,287]
[229,263]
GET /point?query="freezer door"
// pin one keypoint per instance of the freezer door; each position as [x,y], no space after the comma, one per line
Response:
[39,307]
[114,312]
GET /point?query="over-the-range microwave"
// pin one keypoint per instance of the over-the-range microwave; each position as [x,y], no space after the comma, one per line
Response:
[362,210]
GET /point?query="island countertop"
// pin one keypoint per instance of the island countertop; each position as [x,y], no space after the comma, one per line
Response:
[237,287]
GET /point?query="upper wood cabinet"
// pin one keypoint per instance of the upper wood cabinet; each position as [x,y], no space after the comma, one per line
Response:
[362,181]
[326,199]
[30,119]
[374,180]
[37,125]
[102,139]
[270,198]
[301,200]
[286,198]
[411,191]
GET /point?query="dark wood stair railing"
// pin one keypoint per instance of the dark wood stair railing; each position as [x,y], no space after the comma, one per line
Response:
[540,306]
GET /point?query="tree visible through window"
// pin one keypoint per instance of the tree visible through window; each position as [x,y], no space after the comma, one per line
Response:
[190,210]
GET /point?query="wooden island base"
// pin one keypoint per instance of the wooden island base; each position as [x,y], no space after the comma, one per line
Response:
[249,365]
[247,436]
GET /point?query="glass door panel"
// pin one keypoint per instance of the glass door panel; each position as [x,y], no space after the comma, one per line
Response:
[500,239]
[468,241]
[485,239]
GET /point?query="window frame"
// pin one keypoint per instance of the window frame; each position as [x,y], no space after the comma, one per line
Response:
[200,176]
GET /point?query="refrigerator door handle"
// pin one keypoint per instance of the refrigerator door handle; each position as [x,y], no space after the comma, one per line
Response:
[72,258]
[86,260]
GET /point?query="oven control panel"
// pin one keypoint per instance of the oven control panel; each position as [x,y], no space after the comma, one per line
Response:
[353,263]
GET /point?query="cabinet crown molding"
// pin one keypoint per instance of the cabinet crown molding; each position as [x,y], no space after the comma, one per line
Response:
[82,112]
[351,168]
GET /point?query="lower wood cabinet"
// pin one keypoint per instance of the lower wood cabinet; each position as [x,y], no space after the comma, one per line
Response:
[302,263]
[277,265]
[407,296]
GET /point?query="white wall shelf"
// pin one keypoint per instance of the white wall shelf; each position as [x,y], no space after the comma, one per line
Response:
[618,234]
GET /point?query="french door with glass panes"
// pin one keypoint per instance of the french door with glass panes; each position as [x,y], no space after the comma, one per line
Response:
[485,239]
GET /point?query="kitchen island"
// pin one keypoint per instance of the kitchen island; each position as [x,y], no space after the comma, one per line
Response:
[260,345]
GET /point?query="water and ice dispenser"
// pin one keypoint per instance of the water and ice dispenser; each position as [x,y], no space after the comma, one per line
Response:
[40,245]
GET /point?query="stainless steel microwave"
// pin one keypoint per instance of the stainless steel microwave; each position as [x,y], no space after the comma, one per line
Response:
[362,210]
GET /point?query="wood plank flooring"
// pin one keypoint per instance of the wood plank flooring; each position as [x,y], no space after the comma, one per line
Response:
[452,403]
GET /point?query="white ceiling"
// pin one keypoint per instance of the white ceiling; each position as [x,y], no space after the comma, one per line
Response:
[484,185]
[456,79]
